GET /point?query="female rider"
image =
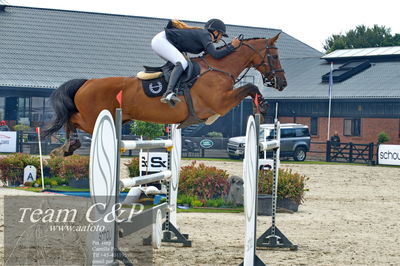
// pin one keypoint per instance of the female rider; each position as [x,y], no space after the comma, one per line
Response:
[178,37]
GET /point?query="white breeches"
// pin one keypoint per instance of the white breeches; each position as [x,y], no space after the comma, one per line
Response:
[164,49]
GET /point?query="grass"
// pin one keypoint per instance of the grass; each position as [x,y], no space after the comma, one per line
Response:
[58,188]
[212,210]
[67,188]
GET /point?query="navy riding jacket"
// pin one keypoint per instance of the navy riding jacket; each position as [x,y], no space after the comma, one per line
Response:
[196,41]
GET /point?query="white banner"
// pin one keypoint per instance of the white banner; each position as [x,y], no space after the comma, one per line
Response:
[389,154]
[153,161]
[8,141]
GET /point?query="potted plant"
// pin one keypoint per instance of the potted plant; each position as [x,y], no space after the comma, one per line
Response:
[291,188]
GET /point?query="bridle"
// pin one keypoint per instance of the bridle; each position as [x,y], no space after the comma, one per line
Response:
[266,62]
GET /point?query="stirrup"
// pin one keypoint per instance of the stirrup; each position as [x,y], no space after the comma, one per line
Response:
[171,98]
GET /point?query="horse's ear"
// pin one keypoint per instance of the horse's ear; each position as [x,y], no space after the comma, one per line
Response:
[273,39]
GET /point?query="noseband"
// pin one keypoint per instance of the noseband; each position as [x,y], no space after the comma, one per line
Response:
[266,61]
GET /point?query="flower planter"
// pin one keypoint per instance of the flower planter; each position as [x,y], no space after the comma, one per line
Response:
[265,204]
[288,204]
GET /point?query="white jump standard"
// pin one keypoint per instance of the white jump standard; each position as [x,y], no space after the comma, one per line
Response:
[105,186]
[273,237]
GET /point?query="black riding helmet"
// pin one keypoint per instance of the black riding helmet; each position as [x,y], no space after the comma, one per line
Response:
[216,24]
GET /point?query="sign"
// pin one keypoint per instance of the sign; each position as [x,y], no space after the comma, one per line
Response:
[8,141]
[30,173]
[389,154]
[153,161]
[206,143]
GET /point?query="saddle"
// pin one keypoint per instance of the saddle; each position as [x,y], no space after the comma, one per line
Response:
[155,82]
[154,74]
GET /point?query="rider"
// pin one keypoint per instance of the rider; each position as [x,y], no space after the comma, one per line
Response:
[179,37]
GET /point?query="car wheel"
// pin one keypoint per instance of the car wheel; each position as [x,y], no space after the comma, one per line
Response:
[299,154]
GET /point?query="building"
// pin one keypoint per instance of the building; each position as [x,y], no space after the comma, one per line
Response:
[365,94]
[43,48]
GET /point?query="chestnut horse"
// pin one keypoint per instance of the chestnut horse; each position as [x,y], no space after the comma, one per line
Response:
[77,103]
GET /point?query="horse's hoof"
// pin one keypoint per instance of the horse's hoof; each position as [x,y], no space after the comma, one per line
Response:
[68,153]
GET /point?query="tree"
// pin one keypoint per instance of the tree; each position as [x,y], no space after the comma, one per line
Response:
[147,129]
[362,37]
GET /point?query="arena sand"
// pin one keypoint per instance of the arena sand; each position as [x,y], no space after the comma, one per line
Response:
[350,217]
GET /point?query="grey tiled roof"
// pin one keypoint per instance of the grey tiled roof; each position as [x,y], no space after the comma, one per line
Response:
[43,48]
[381,80]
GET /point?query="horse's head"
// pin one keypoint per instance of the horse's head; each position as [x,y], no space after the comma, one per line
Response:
[266,61]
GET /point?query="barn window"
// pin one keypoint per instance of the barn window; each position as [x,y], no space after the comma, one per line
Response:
[352,127]
[314,126]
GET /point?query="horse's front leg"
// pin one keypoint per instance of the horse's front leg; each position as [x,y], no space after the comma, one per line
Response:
[262,104]
[247,90]
[233,97]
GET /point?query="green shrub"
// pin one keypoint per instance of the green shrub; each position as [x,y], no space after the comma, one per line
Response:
[214,134]
[196,203]
[61,181]
[133,167]
[192,201]
[21,127]
[55,165]
[203,182]
[290,185]
[147,129]
[215,203]
[12,167]
[75,166]
[47,181]
[383,137]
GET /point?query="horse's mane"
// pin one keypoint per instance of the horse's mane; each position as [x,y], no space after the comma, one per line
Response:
[223,46]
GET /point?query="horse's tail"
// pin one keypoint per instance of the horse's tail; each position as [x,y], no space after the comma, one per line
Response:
[62,100]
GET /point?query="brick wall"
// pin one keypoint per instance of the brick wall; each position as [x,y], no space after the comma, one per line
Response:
[370,128]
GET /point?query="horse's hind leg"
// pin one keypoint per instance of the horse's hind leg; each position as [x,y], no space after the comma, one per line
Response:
[73,143]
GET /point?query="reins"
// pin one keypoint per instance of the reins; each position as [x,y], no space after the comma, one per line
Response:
[266,61]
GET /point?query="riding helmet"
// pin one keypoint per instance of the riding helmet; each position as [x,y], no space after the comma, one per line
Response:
[216,24]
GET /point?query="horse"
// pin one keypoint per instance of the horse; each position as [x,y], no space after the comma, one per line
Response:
[77,103]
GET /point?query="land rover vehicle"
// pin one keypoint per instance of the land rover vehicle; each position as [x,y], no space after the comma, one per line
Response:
[295,141]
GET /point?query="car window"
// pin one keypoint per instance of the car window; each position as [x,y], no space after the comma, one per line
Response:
[288,133]
[302,132]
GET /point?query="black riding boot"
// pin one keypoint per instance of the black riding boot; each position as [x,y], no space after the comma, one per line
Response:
[170,96]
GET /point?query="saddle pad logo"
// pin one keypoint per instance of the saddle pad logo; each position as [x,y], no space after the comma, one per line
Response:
[154,87]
